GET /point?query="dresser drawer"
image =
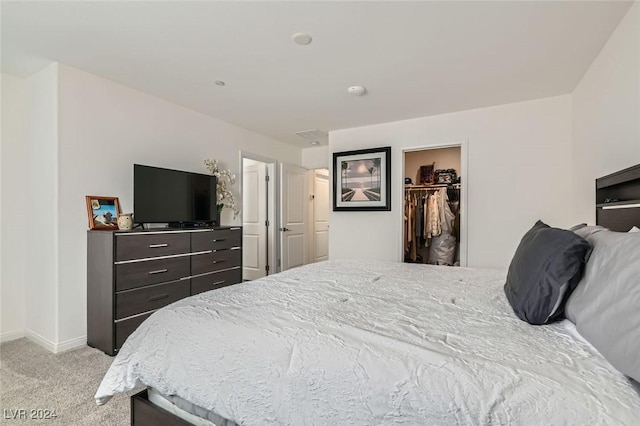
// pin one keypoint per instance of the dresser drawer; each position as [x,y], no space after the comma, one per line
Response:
[139,274]
[215,261]
[141,246]
[125,327]
[216,240]
[215,280]
[140,300]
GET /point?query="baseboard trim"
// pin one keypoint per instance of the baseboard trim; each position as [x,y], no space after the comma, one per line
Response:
[11,335]
[55,347]
[71,344]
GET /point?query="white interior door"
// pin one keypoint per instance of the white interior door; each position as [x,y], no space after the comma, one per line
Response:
[320,215]
[254,221]
[293,216]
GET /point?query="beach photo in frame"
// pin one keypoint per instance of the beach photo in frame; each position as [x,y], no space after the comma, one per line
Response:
[103,212]
[362,180]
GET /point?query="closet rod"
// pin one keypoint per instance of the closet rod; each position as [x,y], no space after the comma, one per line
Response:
[435,188]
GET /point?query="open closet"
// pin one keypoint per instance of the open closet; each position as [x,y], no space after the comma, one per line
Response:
[432,206]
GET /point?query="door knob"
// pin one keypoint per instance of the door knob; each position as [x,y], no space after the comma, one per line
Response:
[285,229]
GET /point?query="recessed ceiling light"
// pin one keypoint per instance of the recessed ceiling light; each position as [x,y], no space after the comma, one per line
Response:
[357,90]
[315,142]
[220,83]
[301,38]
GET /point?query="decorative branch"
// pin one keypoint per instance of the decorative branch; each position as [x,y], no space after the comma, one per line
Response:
[224,180]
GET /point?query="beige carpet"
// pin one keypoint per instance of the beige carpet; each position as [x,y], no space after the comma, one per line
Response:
[33,378]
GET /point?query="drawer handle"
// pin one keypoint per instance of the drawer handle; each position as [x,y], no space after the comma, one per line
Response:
[159,271]
[218,261]
[158,245]
[218,240]
[219,282]
[158,297]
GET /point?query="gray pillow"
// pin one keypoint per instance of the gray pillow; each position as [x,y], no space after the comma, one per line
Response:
[545,269]
[578,226]
[606,304]
[585,231]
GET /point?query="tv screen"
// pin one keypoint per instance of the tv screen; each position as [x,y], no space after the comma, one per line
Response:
[173,196]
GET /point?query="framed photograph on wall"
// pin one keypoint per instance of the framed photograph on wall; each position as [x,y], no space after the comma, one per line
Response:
[362,180]
[103,212]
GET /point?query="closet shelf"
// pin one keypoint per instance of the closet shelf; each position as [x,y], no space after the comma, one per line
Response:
[444,185]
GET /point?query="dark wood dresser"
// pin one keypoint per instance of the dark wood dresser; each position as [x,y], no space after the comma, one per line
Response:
[131,274]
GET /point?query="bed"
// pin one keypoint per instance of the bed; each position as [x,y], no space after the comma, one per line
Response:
[364,342]
[371,343]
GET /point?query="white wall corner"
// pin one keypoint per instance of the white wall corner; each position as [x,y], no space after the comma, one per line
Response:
[42,234]
[13,223]
[40,340]
[606,115]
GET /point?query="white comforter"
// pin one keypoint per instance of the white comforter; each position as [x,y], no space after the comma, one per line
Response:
[368,343]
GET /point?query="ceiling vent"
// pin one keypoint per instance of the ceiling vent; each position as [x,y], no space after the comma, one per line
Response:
[312,134]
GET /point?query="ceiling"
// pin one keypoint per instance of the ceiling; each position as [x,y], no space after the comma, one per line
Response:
[415,58]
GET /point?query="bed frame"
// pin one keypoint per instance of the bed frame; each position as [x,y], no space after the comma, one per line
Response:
[144,413]
[617,208]
[618,200]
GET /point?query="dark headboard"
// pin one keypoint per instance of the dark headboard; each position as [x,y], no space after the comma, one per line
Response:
[618,200]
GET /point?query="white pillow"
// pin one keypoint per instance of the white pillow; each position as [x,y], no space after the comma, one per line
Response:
[605,304]
[585,231]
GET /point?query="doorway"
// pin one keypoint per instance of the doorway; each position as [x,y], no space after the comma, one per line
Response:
[434,205]
[259,243]
[319,207]
[285,211]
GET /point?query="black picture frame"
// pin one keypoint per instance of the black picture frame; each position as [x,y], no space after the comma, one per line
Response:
[355,187]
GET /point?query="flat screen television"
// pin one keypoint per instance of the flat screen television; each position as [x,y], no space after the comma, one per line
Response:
[174,197]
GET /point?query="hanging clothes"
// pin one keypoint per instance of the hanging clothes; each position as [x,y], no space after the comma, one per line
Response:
[430,222]
[407,227]
[425,228]
[419,228]
[446,215]
[443,246]
[414,244]
[433,218]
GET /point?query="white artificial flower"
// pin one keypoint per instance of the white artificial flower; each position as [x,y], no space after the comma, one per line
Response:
[224,178]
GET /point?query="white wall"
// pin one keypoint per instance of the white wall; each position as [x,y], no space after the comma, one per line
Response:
[316,157]
[43,208]
[105,128]
[606,114]
[14,93]
[519,158]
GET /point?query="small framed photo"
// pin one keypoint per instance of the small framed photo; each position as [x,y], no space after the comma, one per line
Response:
[103,212]
[362,180]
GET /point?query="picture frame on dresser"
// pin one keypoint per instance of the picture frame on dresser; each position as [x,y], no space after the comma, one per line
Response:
[102,212]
